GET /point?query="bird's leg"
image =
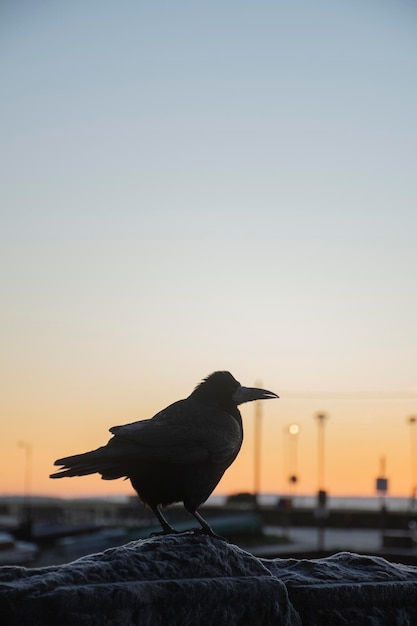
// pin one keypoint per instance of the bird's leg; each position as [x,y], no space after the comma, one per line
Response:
[166,528]
[205,529]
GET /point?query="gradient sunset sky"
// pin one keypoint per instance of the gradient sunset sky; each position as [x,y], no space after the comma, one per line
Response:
[188,187]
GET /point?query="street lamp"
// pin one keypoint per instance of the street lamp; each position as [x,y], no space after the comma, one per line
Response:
[293,431]
[27,477]
[257,452]
[321,418]
[321,509]
[412,420]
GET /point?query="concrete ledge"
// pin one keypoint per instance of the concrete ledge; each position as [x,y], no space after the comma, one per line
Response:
[191,579]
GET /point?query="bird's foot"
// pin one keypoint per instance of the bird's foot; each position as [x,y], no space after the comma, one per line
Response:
[209,532]
[167,531]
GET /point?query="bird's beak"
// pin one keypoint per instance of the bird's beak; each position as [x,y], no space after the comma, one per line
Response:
[247,394]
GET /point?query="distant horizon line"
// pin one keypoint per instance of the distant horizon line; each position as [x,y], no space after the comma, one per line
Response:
[269,494]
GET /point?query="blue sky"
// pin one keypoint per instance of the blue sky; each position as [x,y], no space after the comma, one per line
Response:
[194,186]
[144,120]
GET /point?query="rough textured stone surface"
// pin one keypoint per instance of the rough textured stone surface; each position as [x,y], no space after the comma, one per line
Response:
[198,580]
[349,589]
[167,580]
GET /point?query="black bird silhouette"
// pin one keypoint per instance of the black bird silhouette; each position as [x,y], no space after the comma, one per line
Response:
[180,454]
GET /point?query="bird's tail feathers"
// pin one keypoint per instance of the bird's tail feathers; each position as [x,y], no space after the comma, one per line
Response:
[94,462]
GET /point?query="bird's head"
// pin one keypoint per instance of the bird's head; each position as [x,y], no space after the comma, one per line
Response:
[222,390]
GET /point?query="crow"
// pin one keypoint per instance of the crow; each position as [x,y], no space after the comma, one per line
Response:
[180,454]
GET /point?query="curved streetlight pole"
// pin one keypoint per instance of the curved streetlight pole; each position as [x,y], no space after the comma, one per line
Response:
[27,479]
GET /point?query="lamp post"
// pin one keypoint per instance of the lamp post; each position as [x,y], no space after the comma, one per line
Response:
[293,431]
[257,452]
[382,489]
[412,420]
[27,479]
[321,417]
[290,471]
[321,509]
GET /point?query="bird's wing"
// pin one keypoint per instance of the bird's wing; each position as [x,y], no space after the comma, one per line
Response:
[185,432]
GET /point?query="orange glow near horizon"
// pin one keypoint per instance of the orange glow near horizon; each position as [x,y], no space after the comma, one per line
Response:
[357,435]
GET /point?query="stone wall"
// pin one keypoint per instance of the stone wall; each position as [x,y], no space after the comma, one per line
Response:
[198,580]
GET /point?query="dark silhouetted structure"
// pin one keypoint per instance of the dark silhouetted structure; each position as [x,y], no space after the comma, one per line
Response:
[181,453]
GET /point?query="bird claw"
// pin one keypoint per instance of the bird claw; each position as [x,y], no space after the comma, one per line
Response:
[209,533]
[159,533]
